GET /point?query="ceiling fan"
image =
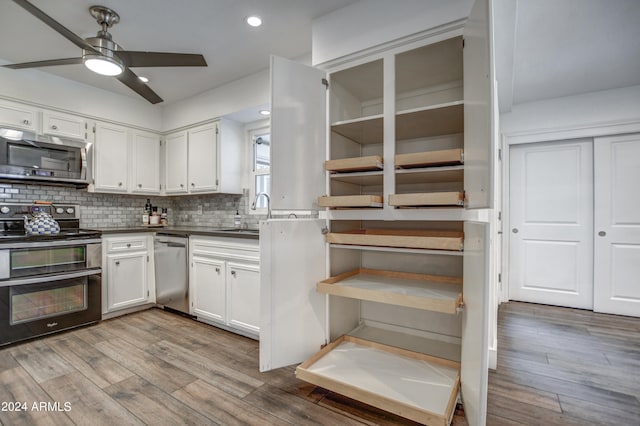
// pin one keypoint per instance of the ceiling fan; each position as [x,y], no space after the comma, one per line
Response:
[102,55]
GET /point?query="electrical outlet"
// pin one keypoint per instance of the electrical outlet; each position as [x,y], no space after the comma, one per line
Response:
[200,209]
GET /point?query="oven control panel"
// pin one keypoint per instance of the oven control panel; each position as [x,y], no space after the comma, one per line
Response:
[57,211]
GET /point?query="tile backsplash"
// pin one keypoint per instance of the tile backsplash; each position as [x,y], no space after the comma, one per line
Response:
[123,210]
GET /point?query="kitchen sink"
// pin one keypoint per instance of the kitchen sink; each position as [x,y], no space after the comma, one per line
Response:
[240,231]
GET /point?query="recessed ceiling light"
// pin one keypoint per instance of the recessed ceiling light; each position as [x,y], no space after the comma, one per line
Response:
[265,112]
[143,79]
[254,21]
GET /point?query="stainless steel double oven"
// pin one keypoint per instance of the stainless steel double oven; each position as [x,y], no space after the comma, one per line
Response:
[48,283]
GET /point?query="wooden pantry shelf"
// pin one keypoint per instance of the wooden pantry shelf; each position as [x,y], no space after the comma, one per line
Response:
[445,157]
[417,386]
[427,199]
[357,164]
[429,292]
[350,201]
[435,120]
[366,130]
[403,238]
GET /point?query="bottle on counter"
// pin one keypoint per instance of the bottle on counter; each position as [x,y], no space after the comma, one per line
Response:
[237,220]
[164,219]
[145,217]
[154,219]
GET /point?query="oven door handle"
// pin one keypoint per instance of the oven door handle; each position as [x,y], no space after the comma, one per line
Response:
[49,278]
[50,243]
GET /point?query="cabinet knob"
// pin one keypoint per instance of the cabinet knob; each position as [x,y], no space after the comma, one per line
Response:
[117,262]
[54,127]
[119,183]
[139,185]
[182,185]
[27,122]
[233,273]
[602,234]
[515,230]
[193,184]
[218,270]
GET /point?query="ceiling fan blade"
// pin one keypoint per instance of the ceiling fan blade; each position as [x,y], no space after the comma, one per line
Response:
[161,59]
[49,63]
[129,79]
[58,27]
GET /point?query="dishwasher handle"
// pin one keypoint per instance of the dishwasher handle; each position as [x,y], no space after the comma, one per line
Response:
[172,244]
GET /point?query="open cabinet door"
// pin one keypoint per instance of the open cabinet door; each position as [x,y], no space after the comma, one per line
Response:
[474,370]
[478,109]
[298,134]
[292,315]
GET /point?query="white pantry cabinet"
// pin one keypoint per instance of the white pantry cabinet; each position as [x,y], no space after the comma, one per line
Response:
[204,159]
[127,277]
[224,283]
[125,160]
[397,290]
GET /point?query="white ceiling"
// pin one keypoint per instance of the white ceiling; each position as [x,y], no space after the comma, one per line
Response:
[213,28]
[549,48]
[544,48]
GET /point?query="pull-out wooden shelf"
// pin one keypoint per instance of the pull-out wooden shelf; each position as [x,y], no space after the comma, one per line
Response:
[350,201]
[417,386]
[445,157]
[404,238]
[427,199]
[356,164]
[430,292]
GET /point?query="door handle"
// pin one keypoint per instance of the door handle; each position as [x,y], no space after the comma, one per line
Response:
[602,234]
[515,230]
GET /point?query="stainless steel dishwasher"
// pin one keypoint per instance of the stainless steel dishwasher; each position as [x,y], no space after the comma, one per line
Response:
[172,276]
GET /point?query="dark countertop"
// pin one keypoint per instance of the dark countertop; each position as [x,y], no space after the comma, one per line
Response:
[185,230]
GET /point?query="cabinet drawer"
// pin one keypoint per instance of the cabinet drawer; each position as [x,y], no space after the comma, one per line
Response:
[64,125]
[127,244]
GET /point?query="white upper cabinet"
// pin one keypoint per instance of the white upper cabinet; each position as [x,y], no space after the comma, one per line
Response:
[64,125]
[145,173]
[17,116]
[111,158]
[202,161]
[205,159]
[176,151]
[125,160]
[298,129]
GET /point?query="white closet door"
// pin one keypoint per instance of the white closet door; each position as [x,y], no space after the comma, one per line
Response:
[617,225]
[551,223]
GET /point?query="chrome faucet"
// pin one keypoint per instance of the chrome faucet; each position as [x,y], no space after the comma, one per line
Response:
[255,200]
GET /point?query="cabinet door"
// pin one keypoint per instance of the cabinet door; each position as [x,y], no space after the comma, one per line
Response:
[145,163]
[293,316]
[207,282]
[64,125]
[176,149]
[17,116]
[111,158]
[478,109]
[126,280]
[203,159]
[298,129]
[243,287]
[474,363]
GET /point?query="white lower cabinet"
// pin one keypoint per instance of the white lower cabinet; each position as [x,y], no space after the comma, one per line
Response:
[127,272]
[224,283]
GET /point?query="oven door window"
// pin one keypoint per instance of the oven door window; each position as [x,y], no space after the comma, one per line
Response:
[38,261]
[35,302]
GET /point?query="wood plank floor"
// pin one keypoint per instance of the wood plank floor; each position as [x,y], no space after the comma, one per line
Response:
[555,367]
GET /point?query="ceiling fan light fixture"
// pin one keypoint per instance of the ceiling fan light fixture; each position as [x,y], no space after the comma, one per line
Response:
[103,65]
[143,78]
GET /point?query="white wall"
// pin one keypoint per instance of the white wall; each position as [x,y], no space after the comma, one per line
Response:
[241,94]
[56,92]
[591,110]
[369,23]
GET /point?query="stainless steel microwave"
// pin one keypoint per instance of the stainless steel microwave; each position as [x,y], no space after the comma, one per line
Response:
[55,161]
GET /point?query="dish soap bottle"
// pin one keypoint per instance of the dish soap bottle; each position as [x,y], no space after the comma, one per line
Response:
[237,220]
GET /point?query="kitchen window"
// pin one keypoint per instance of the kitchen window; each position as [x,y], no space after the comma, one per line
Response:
[261,166]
